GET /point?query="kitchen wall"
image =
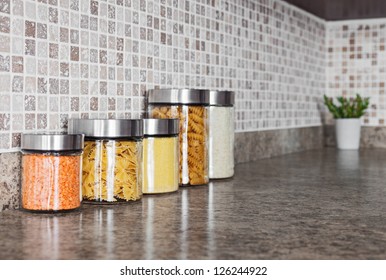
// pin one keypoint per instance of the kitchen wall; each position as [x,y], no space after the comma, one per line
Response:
[89,59]
[356,63]
[96,59]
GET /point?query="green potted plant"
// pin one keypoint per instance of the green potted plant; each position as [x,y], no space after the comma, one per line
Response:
[347,116]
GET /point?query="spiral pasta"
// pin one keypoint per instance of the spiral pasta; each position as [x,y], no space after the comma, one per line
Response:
[111,171]
[193,160]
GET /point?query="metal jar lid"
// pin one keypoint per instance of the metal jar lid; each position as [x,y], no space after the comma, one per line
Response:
[52,142]
[178,96]
[221,98]
[106,128]
[160,127]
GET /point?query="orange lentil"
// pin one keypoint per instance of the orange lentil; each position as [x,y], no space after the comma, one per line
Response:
[51,182]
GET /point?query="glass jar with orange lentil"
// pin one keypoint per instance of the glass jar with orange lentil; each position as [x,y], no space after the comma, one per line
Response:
[51,172]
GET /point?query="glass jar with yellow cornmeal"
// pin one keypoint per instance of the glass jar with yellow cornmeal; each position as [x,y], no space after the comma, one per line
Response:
[112,159]
[160,156]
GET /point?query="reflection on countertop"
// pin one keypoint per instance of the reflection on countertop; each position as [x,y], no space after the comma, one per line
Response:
[319,204]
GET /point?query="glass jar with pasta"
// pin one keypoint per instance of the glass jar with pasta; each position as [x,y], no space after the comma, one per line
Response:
[190,106]
[112,159]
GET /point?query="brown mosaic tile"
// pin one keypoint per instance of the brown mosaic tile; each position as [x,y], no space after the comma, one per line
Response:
[17,64]
[53,15]
[111,27]
[74,53]
[74,5]
[5,6]
[64,69]
[42,85]
[103,57]
[75,104]
[119,60]
[94,104]
[29,47]
[64,35]
[16,140]
[103,88]
[30,29]
[111,103]
[94,7]
[5,24]
[53,86]
[127,30]
[111,11]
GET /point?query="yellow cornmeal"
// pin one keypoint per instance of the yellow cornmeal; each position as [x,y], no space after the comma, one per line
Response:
[160,159]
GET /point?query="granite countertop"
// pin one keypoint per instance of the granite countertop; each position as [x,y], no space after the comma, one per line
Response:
[319,204]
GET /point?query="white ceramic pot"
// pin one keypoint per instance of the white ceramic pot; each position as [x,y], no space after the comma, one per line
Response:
[348,133]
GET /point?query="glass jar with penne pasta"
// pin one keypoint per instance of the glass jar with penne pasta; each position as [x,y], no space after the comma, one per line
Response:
[190,106]
[112,159]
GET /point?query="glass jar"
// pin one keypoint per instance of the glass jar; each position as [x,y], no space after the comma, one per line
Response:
[221,134]
[112,159]
[190,106]
[51,172]
[160,156]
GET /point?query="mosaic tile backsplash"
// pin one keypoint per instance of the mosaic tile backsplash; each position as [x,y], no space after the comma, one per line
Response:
[356,63]
[96,59]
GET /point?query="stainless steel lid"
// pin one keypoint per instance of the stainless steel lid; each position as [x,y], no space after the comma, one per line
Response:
[160,126]
[106,128]
[221,98]
[178,96]
[52,142]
